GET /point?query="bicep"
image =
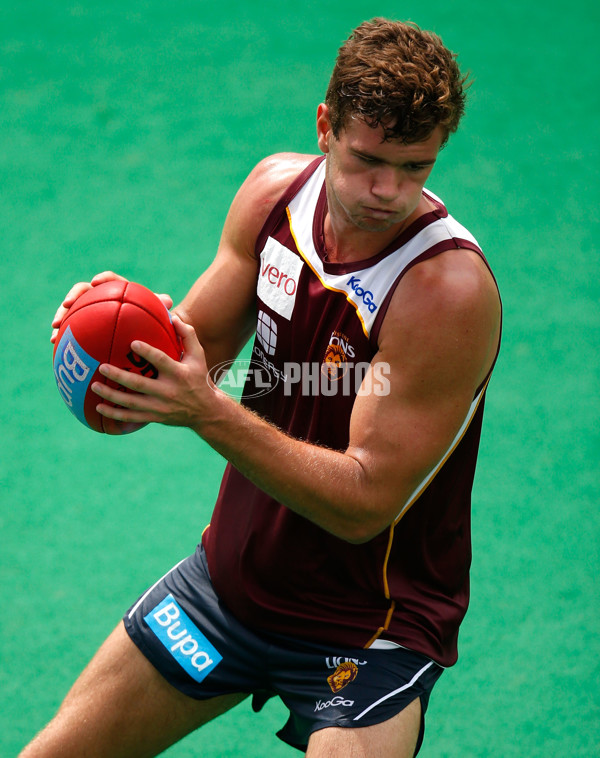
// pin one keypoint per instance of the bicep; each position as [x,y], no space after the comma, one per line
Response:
[436,352]
[221,305]
[399,436]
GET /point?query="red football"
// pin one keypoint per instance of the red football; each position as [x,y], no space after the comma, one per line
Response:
[99,328]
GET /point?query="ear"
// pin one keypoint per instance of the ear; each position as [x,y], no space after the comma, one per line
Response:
[324,133]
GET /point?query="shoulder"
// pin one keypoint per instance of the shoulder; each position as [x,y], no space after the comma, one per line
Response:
[259,193]
[455,281]
[271,177]
[447,311]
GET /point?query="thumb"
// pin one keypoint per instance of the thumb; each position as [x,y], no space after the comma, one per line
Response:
[186,333]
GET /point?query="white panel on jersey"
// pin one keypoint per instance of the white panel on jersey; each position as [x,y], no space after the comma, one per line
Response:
[365,288]
[278,277]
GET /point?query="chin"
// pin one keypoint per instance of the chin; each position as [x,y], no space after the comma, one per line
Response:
[375,224]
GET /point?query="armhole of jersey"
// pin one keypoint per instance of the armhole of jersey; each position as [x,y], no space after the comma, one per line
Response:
[450,244]
[279,208]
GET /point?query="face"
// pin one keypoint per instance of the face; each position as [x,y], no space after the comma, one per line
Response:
[372,184]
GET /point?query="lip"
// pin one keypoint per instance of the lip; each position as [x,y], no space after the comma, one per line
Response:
[379,212]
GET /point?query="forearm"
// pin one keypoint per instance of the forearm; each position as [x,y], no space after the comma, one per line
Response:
[328,487]
[333,489]
[221,341]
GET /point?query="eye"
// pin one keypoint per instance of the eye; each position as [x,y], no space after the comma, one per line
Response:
[415,168]
[366,159]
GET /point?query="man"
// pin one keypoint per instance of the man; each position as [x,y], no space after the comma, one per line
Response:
[334,573]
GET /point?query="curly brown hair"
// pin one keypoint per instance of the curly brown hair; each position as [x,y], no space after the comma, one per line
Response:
[393,74]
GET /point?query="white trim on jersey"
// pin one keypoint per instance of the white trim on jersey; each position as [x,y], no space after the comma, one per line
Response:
[459,435]
[365,288]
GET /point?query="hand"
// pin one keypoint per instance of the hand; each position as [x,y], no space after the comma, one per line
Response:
[78,289]
[181,395]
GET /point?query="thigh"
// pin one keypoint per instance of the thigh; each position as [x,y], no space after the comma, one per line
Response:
[186,633]
[330,691]
[395,738]
[121,707]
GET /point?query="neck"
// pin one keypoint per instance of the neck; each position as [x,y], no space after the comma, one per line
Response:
[344,242]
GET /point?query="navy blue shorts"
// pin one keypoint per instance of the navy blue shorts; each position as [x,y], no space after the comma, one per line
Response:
[184,630]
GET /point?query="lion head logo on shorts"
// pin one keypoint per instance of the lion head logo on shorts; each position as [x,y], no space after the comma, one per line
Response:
[344,674]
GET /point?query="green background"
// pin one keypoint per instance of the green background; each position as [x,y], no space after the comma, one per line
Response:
[125,129]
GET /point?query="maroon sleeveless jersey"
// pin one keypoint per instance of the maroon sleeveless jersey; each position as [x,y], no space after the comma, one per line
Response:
[318,324]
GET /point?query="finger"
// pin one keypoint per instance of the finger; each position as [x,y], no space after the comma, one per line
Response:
[107,276]
[124,399]
[63,308]
[76,291]
[125,414]
[166,300]
[156,357]
[59,316]
[127,379]
[187,333]
[115,395]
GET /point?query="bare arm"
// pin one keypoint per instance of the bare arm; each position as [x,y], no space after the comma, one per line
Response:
[221,303]
[439,339]
[439,350]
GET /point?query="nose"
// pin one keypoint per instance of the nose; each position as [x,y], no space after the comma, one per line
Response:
[385,184]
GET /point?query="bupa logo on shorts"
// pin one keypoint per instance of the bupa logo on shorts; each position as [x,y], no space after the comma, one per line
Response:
[278,277]
[182,638]
[73,370]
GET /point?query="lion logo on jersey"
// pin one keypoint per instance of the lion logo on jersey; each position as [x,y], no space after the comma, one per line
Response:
[344,674]
[335,363]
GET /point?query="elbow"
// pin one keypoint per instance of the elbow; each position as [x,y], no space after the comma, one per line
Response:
[359,539]
[360,522]
[367,510]
[358,533]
